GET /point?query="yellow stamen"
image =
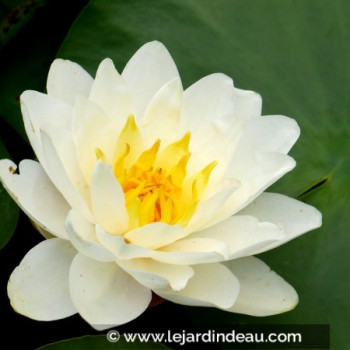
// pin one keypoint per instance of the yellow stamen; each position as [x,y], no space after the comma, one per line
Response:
[133,211]
[187,216]
[178,172]
[166,206]
[154,182]
[147,158]
[172,154]
[202,178]
[119,171]
[147,208]
[100,155]
[130,135]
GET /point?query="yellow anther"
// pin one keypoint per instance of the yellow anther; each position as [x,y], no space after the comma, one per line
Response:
[133,211]
[178,172]
[147,158]
[130,135]
[166,206]
[147,208]
[100,155]
[119,170]
[172,153]
[133,190]
[202,178]
[188,214]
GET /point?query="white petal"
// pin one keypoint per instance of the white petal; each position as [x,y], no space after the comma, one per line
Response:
[146,72]
[66,80]
[256,172]
[182,252]
[92,130]
[36,195]
[156,275]
[208,211]
[105,295]
[293,216]
[263,292]
[224,134]
[110,92]
[244,235]
[55,170]
[207,100]
[108,200]
[247,104]
[63,142]
[163,114]
[38,288]
[155,235]
[193,251]
[274,133]
[118,246]
[83,237]
[211,285]
[37,109]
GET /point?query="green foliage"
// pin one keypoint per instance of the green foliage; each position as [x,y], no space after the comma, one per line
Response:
[100,342]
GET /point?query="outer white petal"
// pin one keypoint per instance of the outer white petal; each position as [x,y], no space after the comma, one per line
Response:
[193,251]
[263,292]
[118,246]
[66,80]
[207,100]
[38,288]
[58,175]
[37,109]
[293,216]
[256,172]
[247,104]
[82,235]
[108,200]
[211,285]
[208,212]
[110,92]
[104,294]
[155,235]
[274,133]
[244,235]
[156,275]
[91,130]
[163,115]
[182,252]
[224,134]
[63,142]
[36,195]
[146,72]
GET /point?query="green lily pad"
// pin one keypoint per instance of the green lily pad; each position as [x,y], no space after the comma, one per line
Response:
[8,209]
[26,58]
[296,54]
[100,342]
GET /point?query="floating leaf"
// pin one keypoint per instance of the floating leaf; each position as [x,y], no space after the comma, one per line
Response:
[100,342]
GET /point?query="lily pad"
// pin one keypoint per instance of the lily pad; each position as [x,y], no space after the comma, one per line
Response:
[100,342]
[32,32]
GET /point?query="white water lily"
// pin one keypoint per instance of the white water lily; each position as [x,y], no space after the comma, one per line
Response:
[147,187]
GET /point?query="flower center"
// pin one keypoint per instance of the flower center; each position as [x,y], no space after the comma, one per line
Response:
[155,183]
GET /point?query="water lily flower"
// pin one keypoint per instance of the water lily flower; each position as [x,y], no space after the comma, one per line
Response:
[142,187]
